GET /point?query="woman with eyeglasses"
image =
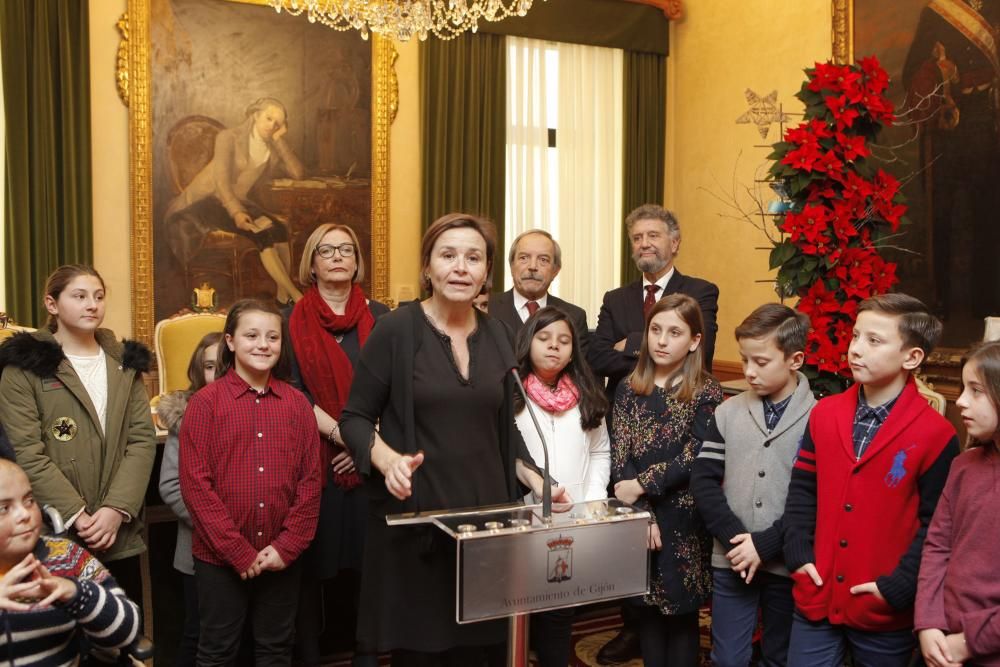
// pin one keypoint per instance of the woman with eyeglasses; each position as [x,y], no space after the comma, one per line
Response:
[328,328]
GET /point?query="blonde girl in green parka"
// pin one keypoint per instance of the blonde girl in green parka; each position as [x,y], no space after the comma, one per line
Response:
[75,409]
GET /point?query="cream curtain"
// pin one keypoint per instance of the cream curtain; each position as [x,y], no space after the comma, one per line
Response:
[574,190]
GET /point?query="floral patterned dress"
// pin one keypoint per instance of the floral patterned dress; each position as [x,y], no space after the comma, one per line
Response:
[656,439]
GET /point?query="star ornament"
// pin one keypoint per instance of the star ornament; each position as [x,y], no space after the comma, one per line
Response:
[763,112]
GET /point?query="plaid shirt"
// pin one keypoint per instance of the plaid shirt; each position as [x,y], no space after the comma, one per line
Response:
[867,421]
[773,412]
[249,471]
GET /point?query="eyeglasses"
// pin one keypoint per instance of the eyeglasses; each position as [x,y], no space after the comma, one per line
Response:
[326,250]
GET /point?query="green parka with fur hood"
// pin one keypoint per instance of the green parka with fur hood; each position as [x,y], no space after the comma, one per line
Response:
[56,434]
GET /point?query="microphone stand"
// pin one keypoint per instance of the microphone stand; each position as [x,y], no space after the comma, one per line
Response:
[546,480]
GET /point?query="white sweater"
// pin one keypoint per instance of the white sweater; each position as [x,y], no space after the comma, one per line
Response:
[578,460]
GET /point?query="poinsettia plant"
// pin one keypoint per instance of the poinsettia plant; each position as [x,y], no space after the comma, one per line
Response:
[841,206]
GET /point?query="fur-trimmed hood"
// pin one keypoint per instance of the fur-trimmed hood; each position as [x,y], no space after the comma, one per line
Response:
[38,352]
[171,408]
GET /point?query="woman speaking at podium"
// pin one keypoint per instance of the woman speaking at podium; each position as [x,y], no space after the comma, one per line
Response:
[434,377]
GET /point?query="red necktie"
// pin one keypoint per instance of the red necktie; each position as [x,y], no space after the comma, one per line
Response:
[650,301]
[532,307]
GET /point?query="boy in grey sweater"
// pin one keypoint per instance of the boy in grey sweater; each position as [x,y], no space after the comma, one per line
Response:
[740,480]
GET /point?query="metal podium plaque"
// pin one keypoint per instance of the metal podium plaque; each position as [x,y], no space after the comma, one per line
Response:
[511,562]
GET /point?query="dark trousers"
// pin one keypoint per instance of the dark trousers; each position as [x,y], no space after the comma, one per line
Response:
[668,641]
[128,574]
[822,644]
[458,656]
[734,617]
[187,652]
[224,603]
[551,633]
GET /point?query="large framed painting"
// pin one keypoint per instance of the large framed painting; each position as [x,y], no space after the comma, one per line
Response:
[942,60]
[249,129]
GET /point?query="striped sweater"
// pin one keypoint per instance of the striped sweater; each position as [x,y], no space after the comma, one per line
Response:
[52,636]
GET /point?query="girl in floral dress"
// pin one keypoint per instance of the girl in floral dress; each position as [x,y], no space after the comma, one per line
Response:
[661,412]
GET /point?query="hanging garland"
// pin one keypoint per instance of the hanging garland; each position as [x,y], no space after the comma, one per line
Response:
[840,207]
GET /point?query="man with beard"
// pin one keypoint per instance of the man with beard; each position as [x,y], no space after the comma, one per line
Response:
[614,350]
[656,238]
[535,260]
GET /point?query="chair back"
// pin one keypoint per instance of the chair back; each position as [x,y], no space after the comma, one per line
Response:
[176,339]
[936,400]
[190,146]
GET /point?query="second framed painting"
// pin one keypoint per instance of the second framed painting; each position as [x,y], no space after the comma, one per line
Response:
[941,56]
[248,130]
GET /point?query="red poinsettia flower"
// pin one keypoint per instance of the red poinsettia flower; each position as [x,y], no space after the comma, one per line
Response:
[826,76]
[876,78]
[852,147]
[825,355]
[883,275]
[828,162]
[820,299]
[804,157]
[854,261]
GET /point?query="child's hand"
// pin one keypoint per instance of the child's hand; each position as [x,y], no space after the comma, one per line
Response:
[629,491]
[810,569]
[55,589]
[655,543]
[269,559]
[20,581]
[744,556]
[935,648]
[957,647]
[867,587]
[99,529]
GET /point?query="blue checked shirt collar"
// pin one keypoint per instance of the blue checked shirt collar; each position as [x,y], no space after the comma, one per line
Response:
[773,412]
[867,421]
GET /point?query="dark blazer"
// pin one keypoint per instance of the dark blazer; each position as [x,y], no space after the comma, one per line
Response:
[621,317]
[502,308]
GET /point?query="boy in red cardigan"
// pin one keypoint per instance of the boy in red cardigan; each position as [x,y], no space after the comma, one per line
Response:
[869,472]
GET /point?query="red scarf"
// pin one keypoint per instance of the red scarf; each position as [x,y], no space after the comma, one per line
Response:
[560,398]
[326,371]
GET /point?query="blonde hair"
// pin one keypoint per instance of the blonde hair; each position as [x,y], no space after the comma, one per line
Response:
[692,373]
[306,276]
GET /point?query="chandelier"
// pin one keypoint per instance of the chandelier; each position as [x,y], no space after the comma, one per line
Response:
[402,19]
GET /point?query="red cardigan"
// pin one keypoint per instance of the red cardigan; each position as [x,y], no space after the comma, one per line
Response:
[870,516]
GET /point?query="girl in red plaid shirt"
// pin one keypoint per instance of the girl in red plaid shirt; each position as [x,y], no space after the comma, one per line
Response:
[250,477]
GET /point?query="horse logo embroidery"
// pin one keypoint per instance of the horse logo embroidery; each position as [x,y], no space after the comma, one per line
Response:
[898,470]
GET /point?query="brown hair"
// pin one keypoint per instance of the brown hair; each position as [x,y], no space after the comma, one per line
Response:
[986,356]
[593,402]
[449,221]
[654,212]
[790,327]
[306,275]
[59,279]
[196,367]
[227,358]
[693,374]
[917,327]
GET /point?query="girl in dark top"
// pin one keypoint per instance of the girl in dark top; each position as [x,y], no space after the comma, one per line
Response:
[957,611]
[660,415]
[434,377]
[328,327]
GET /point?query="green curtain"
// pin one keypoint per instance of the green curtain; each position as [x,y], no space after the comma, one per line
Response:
[610,23]
[463,122]
[46,87]
[645,93]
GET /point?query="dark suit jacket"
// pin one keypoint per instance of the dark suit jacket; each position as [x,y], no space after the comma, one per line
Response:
[621,317]
[502,308]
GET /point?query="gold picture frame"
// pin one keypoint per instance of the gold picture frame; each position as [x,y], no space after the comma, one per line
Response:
[134,80]
[843,38]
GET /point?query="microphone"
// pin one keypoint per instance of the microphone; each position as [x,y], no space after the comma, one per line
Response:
[546,480]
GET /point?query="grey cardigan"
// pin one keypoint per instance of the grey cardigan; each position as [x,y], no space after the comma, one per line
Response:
[170,411]
[756,472]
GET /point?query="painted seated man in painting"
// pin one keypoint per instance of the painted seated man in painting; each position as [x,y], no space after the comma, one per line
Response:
[950,76]
[217,198]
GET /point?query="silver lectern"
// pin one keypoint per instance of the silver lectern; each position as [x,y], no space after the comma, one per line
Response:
[511,560]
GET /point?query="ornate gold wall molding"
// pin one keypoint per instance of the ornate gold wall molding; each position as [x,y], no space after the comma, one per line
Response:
[121,66]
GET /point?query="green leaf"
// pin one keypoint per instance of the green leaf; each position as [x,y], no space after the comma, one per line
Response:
[781,253]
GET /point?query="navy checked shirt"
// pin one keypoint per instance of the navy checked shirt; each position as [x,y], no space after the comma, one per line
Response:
[250,471]
[773,412]
[867,421]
